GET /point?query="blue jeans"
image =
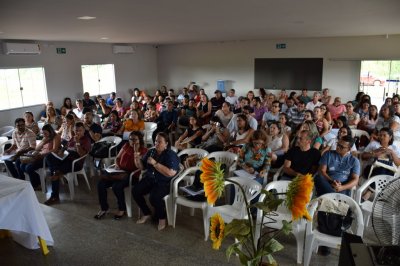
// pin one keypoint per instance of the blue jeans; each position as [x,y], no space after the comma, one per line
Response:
[30,169]
[14,167]
[322,186]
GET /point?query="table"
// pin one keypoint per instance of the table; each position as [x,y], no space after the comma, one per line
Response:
[20,213]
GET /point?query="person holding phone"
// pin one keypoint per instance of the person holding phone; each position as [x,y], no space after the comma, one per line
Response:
[119,180]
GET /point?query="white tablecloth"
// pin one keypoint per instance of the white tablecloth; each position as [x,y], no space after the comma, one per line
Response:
[21,214]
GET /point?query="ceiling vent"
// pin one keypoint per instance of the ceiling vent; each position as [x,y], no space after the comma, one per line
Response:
[21,48]
[123,49]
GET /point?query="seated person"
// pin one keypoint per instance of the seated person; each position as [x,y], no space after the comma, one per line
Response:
[204,109]
[301,159]
[52,118]
[215,136]
[23,141]
[93,130]
[119,107]
[240,136]
[67,128]
[309,125]
[51,142]
[255,156]
[77,147]
[79,109]
[30,122]
[134,107]
[225,114]
[278,142]
[162,164]
[167,120]
[339,170]
[233,126]
[352,117]
[110,100]
[125,161]
[133,123]
[87,102]
[191,137]
[43,114]
[103,110]
[112,124]
[150,115]
[331,144]
[272,115]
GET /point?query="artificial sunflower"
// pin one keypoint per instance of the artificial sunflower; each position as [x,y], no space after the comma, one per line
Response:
[298,196]
[212,177]
[217,230]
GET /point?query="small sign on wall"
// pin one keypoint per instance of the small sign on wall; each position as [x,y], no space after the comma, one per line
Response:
[281,46]
[61,50]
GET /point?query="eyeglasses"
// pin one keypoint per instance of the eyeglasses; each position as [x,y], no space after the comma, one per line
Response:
[341,146]
[133,139]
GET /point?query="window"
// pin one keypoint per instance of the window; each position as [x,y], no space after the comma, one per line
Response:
[98,79]
[21,87]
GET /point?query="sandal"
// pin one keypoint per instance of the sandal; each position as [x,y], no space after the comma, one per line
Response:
[100,215]
[143,219]
[119,216]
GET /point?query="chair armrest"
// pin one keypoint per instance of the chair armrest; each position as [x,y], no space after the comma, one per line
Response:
[361,189]
[311,210]
[179,178]
[132,174]
[77,160]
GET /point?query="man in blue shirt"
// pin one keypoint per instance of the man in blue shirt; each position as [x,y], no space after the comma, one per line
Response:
[110,100]
[167,120]
[339,170]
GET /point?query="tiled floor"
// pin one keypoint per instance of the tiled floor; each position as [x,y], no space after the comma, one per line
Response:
[82,240]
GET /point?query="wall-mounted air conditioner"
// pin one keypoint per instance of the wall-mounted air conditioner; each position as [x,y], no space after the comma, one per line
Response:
[21,48]
[123,49]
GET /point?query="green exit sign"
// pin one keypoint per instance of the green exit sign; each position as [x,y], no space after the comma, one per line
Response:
[61,50]
[281,46]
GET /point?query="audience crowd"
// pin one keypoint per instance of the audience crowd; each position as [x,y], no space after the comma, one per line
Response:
[297,134]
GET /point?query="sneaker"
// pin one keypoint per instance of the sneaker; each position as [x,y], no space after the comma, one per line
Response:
[51,201]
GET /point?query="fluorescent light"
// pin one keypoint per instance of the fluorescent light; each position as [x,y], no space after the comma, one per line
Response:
[104,38]
[86,17]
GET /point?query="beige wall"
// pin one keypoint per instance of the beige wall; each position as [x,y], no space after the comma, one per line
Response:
[206,63]
[63,72]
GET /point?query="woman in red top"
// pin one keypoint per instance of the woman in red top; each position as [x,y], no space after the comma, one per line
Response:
[120,180]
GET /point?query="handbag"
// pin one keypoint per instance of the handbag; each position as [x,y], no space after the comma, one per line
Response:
[100,150]
[334,218]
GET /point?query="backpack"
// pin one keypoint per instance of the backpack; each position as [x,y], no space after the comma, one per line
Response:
[100,150]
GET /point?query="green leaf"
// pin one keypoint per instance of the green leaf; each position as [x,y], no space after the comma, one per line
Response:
[286,227]
[272,246]
[237,228]
[262,206]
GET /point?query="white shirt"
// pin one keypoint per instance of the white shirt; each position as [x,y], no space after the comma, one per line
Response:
[232,100]
[78,113]
[311,105]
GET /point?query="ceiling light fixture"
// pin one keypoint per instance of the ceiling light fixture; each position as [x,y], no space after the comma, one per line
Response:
[86,18]
[104,38]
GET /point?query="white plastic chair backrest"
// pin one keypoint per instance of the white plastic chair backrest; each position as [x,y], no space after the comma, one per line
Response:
[149,128]
[3,144]
[191,151]
[380,181]
[359,133]
[187,172]
[7,131]
[112,139]
[228,158]
[280,187]
[40,125]
[357,225]
[251,187]
[3,139]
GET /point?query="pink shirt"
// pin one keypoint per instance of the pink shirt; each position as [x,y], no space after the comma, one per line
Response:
[336,111]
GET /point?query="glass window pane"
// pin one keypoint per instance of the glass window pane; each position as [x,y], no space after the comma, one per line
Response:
[33,84]
[98,79]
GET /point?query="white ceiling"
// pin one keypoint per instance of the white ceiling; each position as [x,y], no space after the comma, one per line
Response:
[185,21]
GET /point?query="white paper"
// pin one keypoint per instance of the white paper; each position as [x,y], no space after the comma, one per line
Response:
[192,191]
[65,154]
[243,173]
[111,169]
[6,157]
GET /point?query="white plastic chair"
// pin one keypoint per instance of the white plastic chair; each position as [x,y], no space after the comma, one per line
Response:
[359,133]
[314,238]
[6,131]
[128,192]
[282,213]
[3,142]
[177,199]
[72,177]
[238,208]
[230,159]
[115,141]
[392,168]
[366,207]
[149,128]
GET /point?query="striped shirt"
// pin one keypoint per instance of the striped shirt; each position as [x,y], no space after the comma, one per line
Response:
[24,140]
